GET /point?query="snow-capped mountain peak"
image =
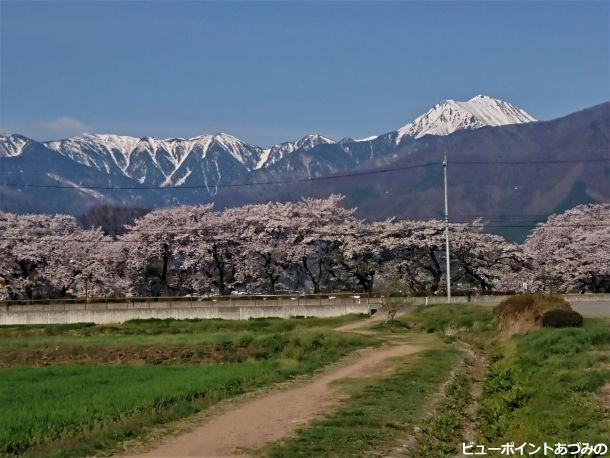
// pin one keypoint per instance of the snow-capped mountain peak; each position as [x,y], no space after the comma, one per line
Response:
[150,159]
[312,140]
[272,155]
[12,145]
[105,152]
[210,160]
[450,116]
[495,112]
[240,150]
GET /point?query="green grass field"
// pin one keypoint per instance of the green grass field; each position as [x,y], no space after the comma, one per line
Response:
[541,386]
[74,409]
[77,390]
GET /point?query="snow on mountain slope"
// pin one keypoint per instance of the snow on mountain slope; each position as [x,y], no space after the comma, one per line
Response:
[214,159]
[210,160]
[276,153]
[12,145]
[450,116]
[176,161]
[107,153]
[151,160]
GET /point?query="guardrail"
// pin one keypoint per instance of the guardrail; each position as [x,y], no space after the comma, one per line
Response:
[233,297]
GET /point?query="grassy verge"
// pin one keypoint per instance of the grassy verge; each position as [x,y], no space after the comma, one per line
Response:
[470,323]
[376,414]
[441,433]
[70,409]
[539,387]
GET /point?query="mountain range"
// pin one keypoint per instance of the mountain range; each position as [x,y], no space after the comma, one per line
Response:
[80,171]
[208,160]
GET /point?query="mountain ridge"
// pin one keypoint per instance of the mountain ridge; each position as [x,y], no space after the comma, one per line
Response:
[210,159]
[66,186]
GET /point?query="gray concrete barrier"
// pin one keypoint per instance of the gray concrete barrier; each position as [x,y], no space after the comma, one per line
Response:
[243,309]
[586,304]
[229,310]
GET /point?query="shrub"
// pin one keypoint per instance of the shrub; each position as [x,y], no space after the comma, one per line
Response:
[523,312]
[560,318]
[536,303]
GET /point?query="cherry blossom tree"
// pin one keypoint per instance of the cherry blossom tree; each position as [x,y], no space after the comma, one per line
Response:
[416,253]
[71,260]
[215,254]
[570,250]
[25,245]
[361,252]
[319,225]
[157,245]
[111,275]
[310,245]
[485,259]
[268,238]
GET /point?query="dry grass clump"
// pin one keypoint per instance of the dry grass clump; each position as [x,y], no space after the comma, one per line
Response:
[522,313]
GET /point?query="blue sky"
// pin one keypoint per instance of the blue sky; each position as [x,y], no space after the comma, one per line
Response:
[270,72]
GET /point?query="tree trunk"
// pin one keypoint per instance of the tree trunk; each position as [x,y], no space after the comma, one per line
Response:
[165,261]
[26,272]
[314,281]
[222,290]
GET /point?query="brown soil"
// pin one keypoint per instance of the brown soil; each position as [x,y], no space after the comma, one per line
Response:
[50,356]
[604,395]
[361,326]
[276,415]
[477,372]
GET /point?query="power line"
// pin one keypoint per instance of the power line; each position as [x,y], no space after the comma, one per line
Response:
[226,185]
[299,180]
[550,162]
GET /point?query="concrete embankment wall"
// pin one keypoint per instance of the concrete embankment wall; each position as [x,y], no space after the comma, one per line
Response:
[243,309]
[586,304]
[106,313]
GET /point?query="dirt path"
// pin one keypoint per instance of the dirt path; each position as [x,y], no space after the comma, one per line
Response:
[363,324]
[476,371]
[273,416]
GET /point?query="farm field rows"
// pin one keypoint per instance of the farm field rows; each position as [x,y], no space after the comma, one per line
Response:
[161,370]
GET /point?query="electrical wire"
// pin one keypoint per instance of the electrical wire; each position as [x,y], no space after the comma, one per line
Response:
[300,180]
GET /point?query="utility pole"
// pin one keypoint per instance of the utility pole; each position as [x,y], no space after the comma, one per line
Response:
[448,267]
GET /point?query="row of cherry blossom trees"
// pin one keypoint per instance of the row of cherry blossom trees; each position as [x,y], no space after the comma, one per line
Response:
[571,251]
[314,245]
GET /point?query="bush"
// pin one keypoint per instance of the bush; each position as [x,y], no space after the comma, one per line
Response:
[522,313]
[535,303]
[559,318]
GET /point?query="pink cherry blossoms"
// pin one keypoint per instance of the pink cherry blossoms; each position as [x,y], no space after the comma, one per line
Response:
[313,245]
